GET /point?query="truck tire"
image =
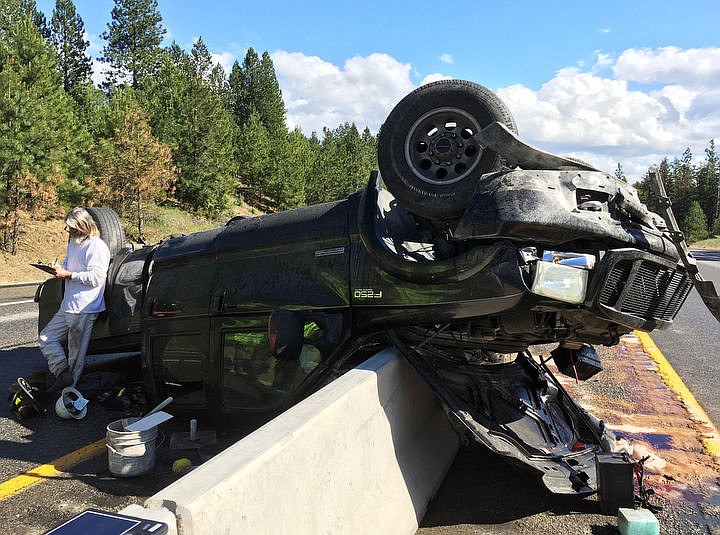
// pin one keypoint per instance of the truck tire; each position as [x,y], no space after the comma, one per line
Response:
[110,227]
[427,154]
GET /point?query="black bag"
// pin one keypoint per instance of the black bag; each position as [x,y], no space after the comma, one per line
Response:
[94,385]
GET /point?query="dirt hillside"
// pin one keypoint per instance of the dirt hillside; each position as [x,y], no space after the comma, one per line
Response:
[45,240]
[39,240]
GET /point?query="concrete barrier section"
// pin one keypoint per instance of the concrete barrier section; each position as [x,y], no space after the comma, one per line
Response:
[363,455]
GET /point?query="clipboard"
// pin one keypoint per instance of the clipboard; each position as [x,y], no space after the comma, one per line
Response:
[45,267]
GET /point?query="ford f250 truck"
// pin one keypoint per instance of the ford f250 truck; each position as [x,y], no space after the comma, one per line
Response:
[467,247]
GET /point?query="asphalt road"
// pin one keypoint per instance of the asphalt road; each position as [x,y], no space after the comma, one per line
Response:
[28,444]
[692,344]
[18,316]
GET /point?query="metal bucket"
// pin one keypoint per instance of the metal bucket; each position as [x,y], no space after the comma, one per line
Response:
[130,453]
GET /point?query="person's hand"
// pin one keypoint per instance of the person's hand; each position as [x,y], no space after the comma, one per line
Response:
[60,273]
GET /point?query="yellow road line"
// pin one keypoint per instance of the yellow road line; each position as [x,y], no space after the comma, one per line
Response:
[47,471]
[710,439]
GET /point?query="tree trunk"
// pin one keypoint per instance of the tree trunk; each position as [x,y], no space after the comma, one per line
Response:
[11,232]
[15,232]
[140,221]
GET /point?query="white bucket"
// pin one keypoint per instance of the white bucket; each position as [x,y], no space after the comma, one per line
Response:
[130,453]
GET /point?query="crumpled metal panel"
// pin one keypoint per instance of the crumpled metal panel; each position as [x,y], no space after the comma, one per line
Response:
[559,207]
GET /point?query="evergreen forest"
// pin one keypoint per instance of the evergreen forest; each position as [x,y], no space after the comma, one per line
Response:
[170,127]
[167,126]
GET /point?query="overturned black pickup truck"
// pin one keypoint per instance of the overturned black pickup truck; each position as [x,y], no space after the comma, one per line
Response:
[467,247]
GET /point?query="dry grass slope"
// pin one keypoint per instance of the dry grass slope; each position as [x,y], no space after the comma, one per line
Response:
[45,240]
[39,240]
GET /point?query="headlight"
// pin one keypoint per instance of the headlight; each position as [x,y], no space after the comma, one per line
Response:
[560,282]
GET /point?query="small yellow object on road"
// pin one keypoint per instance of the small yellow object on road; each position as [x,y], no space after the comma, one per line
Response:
[181,465]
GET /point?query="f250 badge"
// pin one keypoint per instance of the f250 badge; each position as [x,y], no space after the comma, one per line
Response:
[367,293]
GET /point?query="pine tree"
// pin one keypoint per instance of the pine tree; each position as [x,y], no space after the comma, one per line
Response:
[135,170]
[269,100]
[695,224]
[707,183]
[253,88]
[369,153]
[234,98]
[254,158]
[646,191]
[189,113]
[254,99]
[133,40]
[324,175]
[68,36]
[683,191]
[218,82]
[288,186]
[667,176]
[37,128]
[201,60]
[38,17]
[343,165]
[619,173]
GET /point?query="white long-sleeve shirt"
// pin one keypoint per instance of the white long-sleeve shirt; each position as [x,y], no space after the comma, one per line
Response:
[88,262]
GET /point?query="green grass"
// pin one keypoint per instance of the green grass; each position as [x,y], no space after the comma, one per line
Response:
[710,243]
[167,221]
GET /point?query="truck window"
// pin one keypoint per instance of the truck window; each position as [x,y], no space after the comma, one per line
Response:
[252,377]
[178,357]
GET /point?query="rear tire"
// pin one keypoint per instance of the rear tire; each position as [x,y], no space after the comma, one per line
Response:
[110,227]
[427,153]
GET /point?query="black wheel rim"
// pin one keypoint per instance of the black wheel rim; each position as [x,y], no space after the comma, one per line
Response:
[440,147]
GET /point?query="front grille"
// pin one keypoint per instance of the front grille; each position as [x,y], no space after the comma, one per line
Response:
[645,289]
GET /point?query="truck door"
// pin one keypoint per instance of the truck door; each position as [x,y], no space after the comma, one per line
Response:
[251,379]
[174,356]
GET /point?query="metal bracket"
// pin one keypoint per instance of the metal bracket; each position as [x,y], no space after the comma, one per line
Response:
[498,137]
[705,288]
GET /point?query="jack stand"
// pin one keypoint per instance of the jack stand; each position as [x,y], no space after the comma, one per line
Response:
[193,440]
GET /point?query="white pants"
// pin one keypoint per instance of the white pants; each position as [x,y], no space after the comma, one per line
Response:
[75,329]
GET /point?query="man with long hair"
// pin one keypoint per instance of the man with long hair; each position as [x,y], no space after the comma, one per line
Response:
[85,272]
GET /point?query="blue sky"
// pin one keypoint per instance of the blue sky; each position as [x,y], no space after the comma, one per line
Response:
[613,81]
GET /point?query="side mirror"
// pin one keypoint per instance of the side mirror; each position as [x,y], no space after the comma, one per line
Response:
[285,334]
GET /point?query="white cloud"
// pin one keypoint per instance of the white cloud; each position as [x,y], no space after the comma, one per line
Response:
[434,77]
[634,108]
[100,71]
[319,94]
[225,59]
[694,67]
[447,58]
[610,120]
[603,60]
[604,116]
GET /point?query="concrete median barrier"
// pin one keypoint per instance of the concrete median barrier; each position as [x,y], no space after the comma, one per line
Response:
[363,455]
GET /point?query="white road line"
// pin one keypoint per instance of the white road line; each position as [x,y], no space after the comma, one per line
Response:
[19,317]
[17,302]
